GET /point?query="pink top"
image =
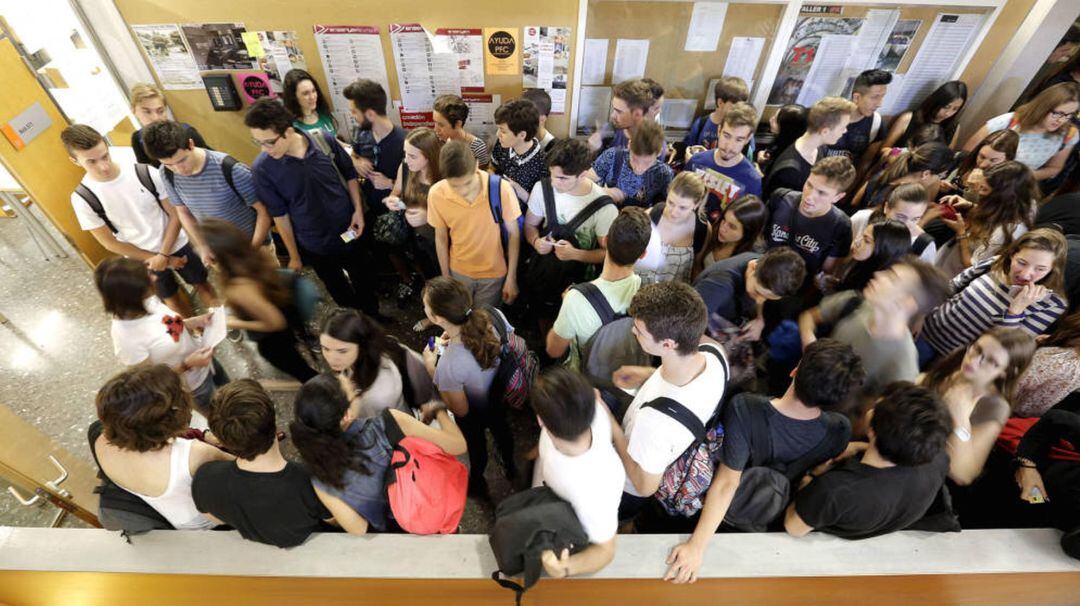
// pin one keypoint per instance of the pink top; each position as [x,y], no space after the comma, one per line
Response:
[1053,374]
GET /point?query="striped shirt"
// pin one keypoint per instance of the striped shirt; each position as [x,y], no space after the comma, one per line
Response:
[208,195]
[480,151]
[981,302]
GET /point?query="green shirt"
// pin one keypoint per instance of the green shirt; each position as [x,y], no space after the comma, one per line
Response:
[325,123]
[577,322]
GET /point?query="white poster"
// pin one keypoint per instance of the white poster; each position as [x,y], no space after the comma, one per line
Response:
[422,73]
[482,114]
[545,62]
[678,113]
[742,58]
[594,108]
[348,53]
[467,46]
[938,58]
[827,71]
[594,61]
[871,39]
[164,45]
[706,23]
[630,59]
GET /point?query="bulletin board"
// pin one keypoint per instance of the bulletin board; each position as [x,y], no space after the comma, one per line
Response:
[225,130]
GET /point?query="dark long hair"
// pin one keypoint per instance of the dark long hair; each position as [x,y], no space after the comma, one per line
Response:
[1013,191]
[1066,335]
[235,258]
[751,213]
[1019,344]
[791,119]
[935,157]
[942,96]
[892,241]
[449,299]
[316,431]
[370,338]
[293,78]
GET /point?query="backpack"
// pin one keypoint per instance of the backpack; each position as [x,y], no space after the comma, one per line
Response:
[425,485]
[322,142]
[142,172]
[516,368]
[1017,427]
[687,479]
[227,164]
[527,524]
[495,204]
[119,509]
[612,346]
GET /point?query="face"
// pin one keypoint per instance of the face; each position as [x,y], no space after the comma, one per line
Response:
[150,111]
[563,182]
[988,157]
[832,135]
[890,286]
[622,116]
[679,209]
[754,289]
[1060,115]
[731,141]
[361,119]
[182,162]
[339,355]
[96,161]
[640,164]
[1029,265]
[508,138]
[648,343]
[908,213]
[273,144]
[985,361]
[863,247]
[949,110]
[729,230]
[443,128]
[414,158]
[306,95]
[818,196]
[869,102]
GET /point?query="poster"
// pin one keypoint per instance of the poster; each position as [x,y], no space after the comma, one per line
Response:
[276,52]
[410,120]
[800,53]
[594,61]
[501,50]
[594,108]
[482,114]
[170,56]
[545,62]
[348,53]
[422,73]
[218,45]
[706,23]
[742,59]
[898,44]
[630,59]
[254,86]
[940,54]
[467,46]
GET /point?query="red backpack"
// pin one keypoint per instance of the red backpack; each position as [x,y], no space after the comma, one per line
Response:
[425,485]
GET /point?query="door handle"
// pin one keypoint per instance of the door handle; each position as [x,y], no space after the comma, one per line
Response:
[55,484]
[24,502]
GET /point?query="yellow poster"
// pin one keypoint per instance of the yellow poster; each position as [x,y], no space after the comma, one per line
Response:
[502,50]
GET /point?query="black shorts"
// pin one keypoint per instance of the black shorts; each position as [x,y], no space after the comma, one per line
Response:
[194,272]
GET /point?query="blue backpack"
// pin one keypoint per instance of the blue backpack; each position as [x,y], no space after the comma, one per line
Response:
[495,203]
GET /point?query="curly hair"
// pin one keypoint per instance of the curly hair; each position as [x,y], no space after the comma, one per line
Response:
[144,407]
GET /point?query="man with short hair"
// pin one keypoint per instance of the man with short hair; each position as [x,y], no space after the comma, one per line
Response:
[728,173]
[890,485]
[206,184]
[468,241]
[826,122]
[631,100]
[261,494]
[736,289]
[127,210]
[517,155]
[542,100]
[378,145]
[635,176]
[862,139]
[577,320]
[703,132]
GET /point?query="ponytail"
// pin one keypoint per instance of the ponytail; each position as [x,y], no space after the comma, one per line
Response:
[935,157]
[449,299]
[478,338]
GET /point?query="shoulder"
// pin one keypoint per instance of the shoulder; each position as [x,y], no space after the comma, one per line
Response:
[999,122]
[607,156]
[702,158]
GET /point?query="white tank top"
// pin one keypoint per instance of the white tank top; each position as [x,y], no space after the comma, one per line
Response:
[176,504]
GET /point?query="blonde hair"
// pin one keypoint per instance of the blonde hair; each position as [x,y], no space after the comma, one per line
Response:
[142,92]
[690,186]
[827,113]
[1032,113]
[648,140]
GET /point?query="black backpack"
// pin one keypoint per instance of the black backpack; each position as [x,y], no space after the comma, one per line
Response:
[227,164]
[119,509]
[142,171]
[527,524]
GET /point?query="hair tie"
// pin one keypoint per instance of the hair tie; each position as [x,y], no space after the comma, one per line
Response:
[468,312]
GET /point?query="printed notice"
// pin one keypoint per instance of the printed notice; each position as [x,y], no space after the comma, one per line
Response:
[467,46]
[545,62]
[277,52]
[940,54]
[348,53]
[827,71]
[482,114]
[742,58]
[706,23]
[422,73]
[164,45]
[501,50]
[594,108]
[630,59]
[594,61]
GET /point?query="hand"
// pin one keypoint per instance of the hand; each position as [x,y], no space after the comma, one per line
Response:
[1027,296]
[295,264]
[616,194]
[509,291]
[556,567]
[565,251]
[683,563]
[543,245]
[762,156]
[157,262]
[380,181]
[199,358]
[751,331]
[357,223]
[363,166]
[206,257]
[177,262]
[393,203]
[347,386]
[595,140]
[957,225]
[416,217]
[430,356]
[693,149]
[1028,478]
[631,377]
[952,200]
[197,324]
[975,178]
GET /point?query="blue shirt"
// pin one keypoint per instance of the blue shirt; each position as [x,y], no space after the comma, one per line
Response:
[386,155]
[725,183]
[366,492]
[208,195]
[613,168]
[309,190]
[704,133]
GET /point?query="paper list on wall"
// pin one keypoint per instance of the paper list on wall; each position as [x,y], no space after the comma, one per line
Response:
[422,73]
[742,58]
[630,58]
[706,23]
[482,114]
[594,105]
[870,39]
[466,44]
[943,48]
[892,94]
[349,52]
[827,71]
[678,113]
[594,61]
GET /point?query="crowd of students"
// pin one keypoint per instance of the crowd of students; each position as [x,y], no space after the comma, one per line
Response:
[844,326]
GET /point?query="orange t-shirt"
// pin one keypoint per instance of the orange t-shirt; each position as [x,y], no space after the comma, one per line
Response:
[475,241]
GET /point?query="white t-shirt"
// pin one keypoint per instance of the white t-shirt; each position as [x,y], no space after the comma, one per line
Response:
[1035,149]
[130,207]
[567,206]
[592,482]
[861,219]
[655,439]
[149,338]
[385,392]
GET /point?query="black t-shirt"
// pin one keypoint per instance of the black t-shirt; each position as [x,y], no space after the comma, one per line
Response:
[790,438]
[1072,272]
[144,158]
[816,239]
[723,288]
[386,154]
[277,508]
[856,139]
[526,170]
[856,501]
[788,171]
[1063,211]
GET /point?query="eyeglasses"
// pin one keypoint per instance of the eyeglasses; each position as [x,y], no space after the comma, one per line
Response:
[1061,115]
[267,144]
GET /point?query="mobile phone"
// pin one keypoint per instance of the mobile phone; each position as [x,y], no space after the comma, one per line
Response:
[349,235]
[1037,495]
[948,212]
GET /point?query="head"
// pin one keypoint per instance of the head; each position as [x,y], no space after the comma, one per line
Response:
[630,101]
[730,90]
[997,147]
[517,122]
[943,105]
[242,417]
[124,284]
[321,413]
[742,224]
[656,91]
[270,124]
[354,344]
[542,100]
[565,403]
[1037,257]
[685,197]
[89,151]
[778,273]
[828,374]
[669,318]
[829,180]
[422,147]
[882,243]
[909,424]
[144,407]
[926,133]
[735,131]
[1006,196]
[458,164]
[907,204]
[829,118]
[646,146]
[927,164]
[301,94]
[169,143]
[568,160]
[997,358]
[869,90]
[449,113]
[148,104]
[912,286]
[1051,109]
[448,304]
[628,236]
[367,101]
[1066,335]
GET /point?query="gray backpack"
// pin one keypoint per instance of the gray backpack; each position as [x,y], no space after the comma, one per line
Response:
[612,346]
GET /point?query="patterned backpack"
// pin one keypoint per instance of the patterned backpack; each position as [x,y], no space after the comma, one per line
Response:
[517,365]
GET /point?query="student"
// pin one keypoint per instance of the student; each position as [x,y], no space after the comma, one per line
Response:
[1038,467]
[148,105]
[450,113]
[261,296]
[941,107]
[464,372]
[925,165]
[1021,288]
[630,101]
[728,92]
[143,410]
[799,422]
[467,240]
[1054,372]
[349,457]
[134,217]
[861,141]
[726,171]
[517,155]
[577,321]
[669,321]
[542,100]
[809,221]
[735,289]
[877,322]
[1047,135]
[907,204]
[305,101]
[311,188]
[997,147]
[377,145]
[680,231]
[635,176]
[579,464]
[786,124]
[881,245]
[826,122]
[738,231]
[417,173]
[261,494]
[890,485]
[197,186]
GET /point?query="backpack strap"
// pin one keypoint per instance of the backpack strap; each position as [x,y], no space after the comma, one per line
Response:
[599,302]
[94,203]
[495,202]
[681,414]
[393,431]
[322,142]
[551,217]
[227,164]
[508,584]
[875,126]
[656,212]
[499,324]
[920,243]
[142,171]
[593,207]
[715,351]
[760,441]
[701,232]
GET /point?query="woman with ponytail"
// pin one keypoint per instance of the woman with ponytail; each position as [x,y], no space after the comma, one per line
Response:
[349,457]
[464,371]
[906,204]
[926,165]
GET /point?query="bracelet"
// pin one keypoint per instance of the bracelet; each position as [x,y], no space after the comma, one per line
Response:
[1028,463]
[962,236]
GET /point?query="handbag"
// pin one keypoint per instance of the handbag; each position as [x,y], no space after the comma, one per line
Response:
[391,228]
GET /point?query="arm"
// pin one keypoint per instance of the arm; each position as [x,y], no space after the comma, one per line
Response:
[442,249]
[448,437]
[456,401]
[172,228]
[262,224]
[644,482]
[868,158]
[345,516]
[857,200]
[897,130]
[1054,165]
[830,262]
[513,239]
[685,558]
[108,241]
[532,233]
[966,458]
[284,226]
[591,559]
[266,317]
[794,525]
[555,346]
[808,322]
[973,140]
[358,206]
[191,226]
